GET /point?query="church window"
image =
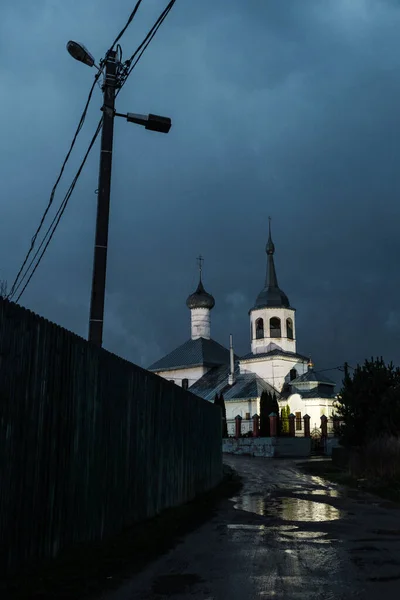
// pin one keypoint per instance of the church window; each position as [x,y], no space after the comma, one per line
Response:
[275,327]
[293,374]
[289,328]
[259,329]
[248,416]
[298,421]
[185,384]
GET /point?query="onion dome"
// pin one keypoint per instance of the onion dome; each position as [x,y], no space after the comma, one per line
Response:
[200,298]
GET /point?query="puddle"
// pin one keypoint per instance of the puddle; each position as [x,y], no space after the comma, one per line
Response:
[311,537]
[296,509]
[331,493]
[289,509]
[307,535]
[281,528]
[247,527]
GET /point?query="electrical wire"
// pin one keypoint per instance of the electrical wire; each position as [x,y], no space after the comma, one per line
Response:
[129,21]
[131,63]
[14,286]
[53,191]
[53,226]
[123,73]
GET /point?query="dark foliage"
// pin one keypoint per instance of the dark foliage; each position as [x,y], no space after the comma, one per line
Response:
[268,405]
[369,403]
[219,401]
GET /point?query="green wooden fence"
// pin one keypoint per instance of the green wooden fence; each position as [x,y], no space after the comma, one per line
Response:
[89,443]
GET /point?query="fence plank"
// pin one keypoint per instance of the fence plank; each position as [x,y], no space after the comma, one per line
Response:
[89,443]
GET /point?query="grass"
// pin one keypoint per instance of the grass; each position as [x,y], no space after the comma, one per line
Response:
[389,489]
[86,570]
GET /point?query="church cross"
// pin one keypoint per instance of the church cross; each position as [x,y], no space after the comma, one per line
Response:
[200,261]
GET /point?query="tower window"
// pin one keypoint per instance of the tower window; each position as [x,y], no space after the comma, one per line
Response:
[259,329]
[185,384]
[293,374]
[289,328]
[275,327]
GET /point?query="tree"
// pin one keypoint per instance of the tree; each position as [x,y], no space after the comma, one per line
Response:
[369,402]
[224,423]
[219,401]
[3,289]
[285,412]
[264,420]
[268,404]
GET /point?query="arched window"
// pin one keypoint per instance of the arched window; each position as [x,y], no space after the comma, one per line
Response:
[185,384]
[259,329]
[289,328]
[293,374]
[275,327]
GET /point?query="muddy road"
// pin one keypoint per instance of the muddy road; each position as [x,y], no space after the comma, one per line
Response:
[287,535]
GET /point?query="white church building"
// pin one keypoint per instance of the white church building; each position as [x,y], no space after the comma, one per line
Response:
[206,368]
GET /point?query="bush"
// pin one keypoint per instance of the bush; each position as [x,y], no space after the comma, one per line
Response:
[378,460]
[369,403]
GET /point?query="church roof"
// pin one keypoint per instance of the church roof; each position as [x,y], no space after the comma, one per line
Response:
[312,376]
[273,353]
[320,391]
[271,296]
[193,353]
[246,385]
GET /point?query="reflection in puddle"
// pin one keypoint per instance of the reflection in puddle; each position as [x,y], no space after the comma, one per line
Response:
[309,541]
[247,527]
[283,528]
[289,509]
[320,492]
[309,535]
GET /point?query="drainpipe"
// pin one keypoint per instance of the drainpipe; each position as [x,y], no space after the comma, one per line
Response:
[231,378]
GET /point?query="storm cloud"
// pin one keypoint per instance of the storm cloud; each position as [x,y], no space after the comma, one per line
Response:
[288,109]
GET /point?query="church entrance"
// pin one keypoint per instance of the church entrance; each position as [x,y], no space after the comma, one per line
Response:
[317,442]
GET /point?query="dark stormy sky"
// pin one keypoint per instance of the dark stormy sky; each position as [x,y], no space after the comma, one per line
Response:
[289,109]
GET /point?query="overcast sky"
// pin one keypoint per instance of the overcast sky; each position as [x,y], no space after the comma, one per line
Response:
[282,108]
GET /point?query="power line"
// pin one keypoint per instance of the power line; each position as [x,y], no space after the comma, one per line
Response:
[131,63]
[129,21]
[58,216]
[128,69]
[53,191]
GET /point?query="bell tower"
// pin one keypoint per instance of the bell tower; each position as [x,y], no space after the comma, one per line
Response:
[272,319]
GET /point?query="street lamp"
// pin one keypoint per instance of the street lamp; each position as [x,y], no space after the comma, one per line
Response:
[150,122]
[80,52]
[113,79]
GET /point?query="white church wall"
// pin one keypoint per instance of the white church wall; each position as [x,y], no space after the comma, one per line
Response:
[314,407]
[242,408]
[276,371]
[177,375]
[263,345]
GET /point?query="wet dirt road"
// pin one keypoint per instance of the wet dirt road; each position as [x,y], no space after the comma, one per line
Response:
[287,535]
